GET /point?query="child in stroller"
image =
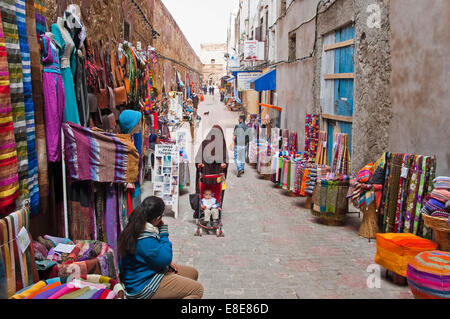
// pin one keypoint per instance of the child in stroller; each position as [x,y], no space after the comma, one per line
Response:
[210,205]
[211,208]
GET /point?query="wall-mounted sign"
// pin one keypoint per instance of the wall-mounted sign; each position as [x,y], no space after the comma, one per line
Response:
[234,64]
[250,50]
[244,80]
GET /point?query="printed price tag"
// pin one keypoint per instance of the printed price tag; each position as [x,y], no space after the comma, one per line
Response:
[23,239]
[405,172]
[65,249]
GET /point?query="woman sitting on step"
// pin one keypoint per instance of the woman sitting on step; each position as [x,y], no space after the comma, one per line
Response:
[145,251]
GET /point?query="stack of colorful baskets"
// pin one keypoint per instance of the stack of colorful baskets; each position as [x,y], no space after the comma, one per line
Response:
[436,213]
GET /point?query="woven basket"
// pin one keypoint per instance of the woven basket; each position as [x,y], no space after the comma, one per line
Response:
[369,226]
[330,219]
[441,230]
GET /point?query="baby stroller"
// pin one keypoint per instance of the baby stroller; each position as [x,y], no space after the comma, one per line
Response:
[216,189]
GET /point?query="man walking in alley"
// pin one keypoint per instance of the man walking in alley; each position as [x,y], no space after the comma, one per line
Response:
[241,139]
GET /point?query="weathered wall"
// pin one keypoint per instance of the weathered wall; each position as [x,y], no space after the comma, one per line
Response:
[104,21]
[295,80]
[371,104]
[420,73]
[104,18]
[173,44]
[372,110]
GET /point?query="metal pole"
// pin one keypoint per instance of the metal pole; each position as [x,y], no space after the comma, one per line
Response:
[66,222]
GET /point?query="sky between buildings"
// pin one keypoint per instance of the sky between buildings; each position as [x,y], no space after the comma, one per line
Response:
[202,21]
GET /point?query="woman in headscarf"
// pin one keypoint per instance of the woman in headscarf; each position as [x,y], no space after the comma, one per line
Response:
[212,156]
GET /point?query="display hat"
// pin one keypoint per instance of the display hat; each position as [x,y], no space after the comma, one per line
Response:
[128,120]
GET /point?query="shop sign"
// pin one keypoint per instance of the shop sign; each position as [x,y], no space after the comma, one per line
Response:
[244,80]
[234,64]
[250,50]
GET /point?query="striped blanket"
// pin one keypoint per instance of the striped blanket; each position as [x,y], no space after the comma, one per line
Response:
[29,107]
[9,179]
[94,155]
[11,32]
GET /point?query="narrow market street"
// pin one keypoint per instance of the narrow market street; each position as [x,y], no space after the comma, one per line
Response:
[273,247]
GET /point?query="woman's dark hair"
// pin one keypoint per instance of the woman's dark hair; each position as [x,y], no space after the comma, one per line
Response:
[150,209]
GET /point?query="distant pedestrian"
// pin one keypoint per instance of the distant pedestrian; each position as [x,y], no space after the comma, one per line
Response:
[212,90]
[194,122]
[195,100]
[241,139]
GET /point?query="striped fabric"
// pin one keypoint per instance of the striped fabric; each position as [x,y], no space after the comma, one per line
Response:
[39,5]
[20,267]
[8,11]
[38,99]
[29,107]
[429,275]
[9,179]
[117,162]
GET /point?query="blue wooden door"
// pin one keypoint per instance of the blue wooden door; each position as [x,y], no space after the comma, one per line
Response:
[343,88]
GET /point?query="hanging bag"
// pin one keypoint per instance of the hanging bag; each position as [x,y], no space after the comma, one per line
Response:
[120,93]
[102,95]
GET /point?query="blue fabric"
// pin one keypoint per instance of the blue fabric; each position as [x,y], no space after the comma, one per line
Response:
[128,120]
[267,82]
[239,157]
[71,107]
[29,108]
[153,256]
[3,290]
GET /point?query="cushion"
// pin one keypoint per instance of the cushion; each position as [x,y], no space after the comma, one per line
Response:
[365,174]
[395,251]
[429,275]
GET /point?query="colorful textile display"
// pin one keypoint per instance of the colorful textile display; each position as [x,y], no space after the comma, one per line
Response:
[73,287]
[29,107]
[330,196]
[11,32]
[312,129]
[340,162]
[20,268]
[322,149]
[407,183]
[365,194]
[396,251]
[38,100]
[113,157]
[88,257]
[40,16]
[9,178]
[429,275]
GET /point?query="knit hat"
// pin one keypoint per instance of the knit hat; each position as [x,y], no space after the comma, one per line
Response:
[128,120]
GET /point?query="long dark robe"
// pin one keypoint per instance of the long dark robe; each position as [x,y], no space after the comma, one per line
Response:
[212,153]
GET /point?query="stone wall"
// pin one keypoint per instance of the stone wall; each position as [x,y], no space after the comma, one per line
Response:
[372,106]
[173,44]
[373,109]
[104,20]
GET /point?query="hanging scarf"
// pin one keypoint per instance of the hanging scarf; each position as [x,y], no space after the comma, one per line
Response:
[9,179]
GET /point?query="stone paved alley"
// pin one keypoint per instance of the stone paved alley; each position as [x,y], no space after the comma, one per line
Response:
[273,247]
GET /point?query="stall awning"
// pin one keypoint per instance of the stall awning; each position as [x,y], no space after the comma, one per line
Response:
[231,79]
[266,82]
